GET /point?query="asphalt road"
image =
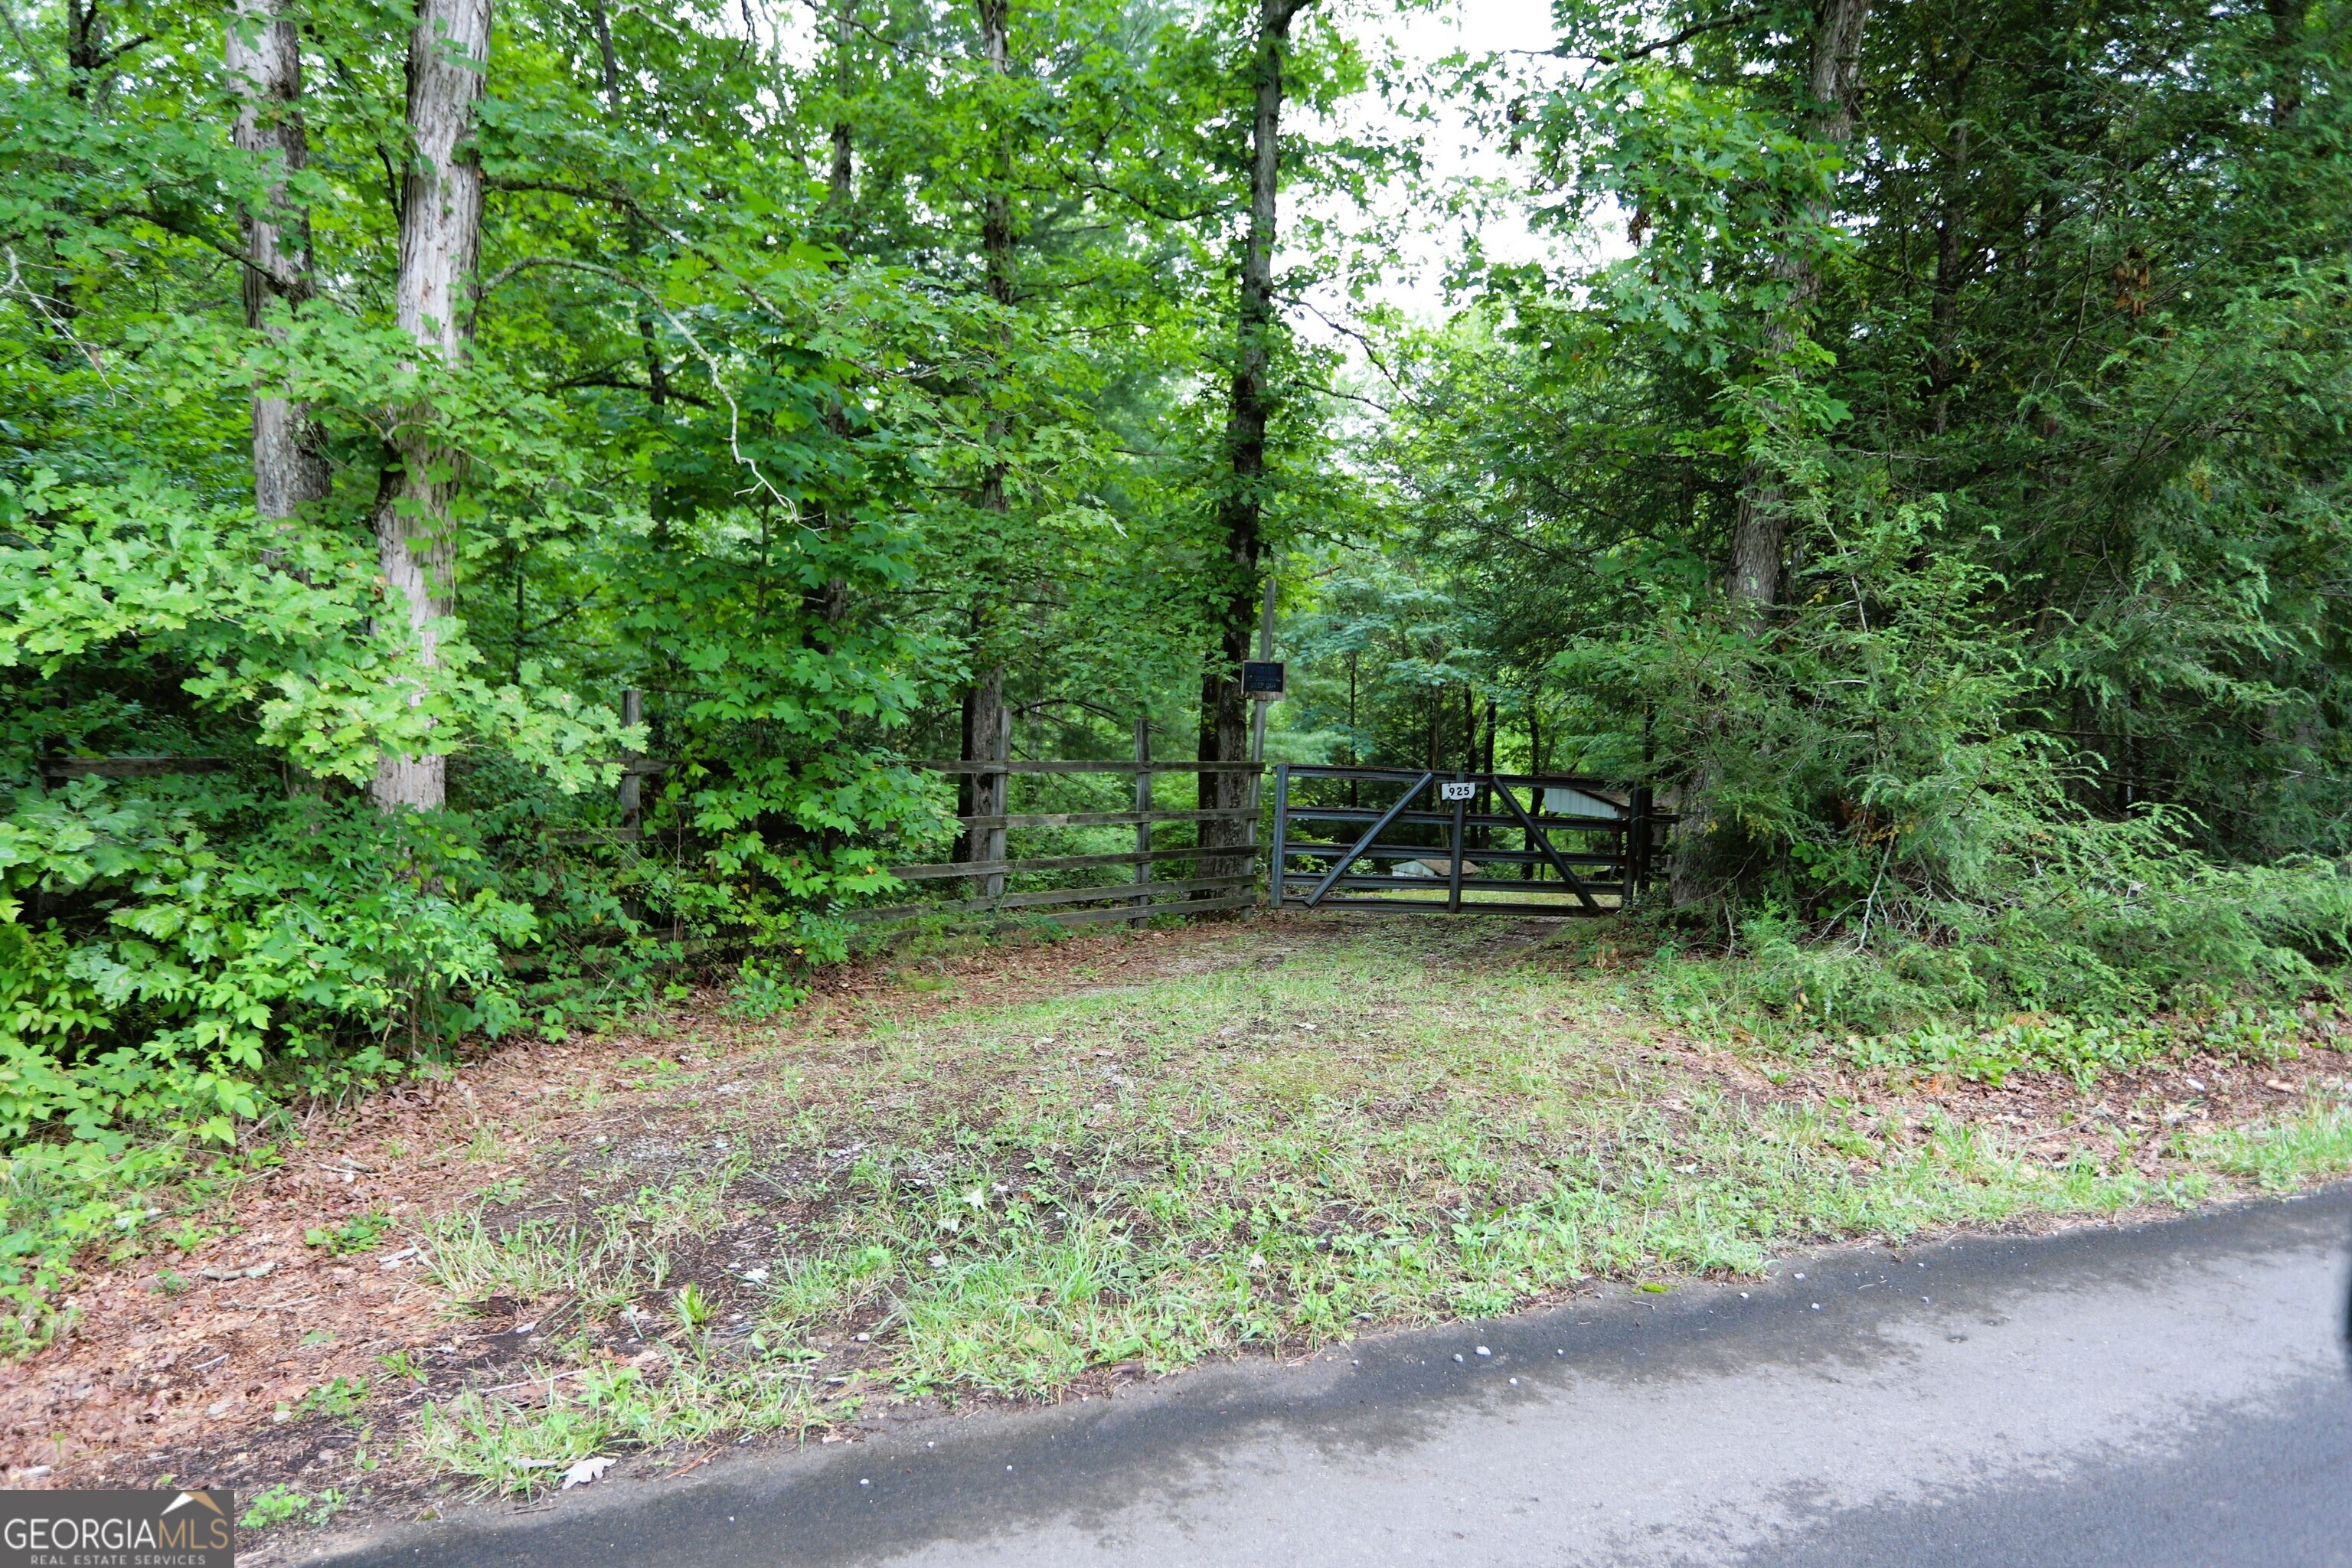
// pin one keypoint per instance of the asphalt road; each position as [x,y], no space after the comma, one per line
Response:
[2168,1394]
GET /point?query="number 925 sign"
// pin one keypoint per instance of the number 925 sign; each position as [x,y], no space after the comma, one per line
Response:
[1457,790]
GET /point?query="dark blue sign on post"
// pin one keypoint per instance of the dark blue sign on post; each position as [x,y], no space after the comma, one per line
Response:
[1265,679]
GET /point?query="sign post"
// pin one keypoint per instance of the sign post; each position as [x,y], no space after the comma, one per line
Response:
[1457,791]
[1258,718]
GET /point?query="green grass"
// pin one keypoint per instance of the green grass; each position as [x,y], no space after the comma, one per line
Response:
[1392,1126]
[2285,1154]
[509,1448]
[362,1233]
[277,1504]
[339,1396]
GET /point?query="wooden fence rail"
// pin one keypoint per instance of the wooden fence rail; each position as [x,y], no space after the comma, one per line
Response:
[55,769]
[1145,766]
[1049,863]
[1140,898]
[1068,896]
[1105,818]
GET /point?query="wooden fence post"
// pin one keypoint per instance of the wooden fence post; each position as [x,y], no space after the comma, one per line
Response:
[1142,829]
[992,840]
[1453,874]
[1637,871]
[630,794]
[1274,867]
[1257,724]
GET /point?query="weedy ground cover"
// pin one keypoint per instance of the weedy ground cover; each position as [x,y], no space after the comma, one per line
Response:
[1315,1130]
[1029,1176]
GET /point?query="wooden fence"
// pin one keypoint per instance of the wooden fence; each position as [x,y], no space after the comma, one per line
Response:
[1142,896]
[57,769]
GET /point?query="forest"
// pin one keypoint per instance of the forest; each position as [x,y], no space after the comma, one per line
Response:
[1914,442]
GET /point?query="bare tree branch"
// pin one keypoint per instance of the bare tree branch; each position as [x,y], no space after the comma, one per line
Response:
[1674,41]
[709,361]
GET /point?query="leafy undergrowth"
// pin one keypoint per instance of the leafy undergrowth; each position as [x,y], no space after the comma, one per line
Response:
[1026,1177]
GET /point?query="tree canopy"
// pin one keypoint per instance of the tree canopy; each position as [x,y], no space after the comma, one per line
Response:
[1921,460]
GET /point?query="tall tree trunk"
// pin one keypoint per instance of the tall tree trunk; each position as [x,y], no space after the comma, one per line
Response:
[1956,255]
[831,603]
[1225,727]
[1759,531]
[90,63]
[265,65]
[838,191]
[2287,46]
[985,703]
[440,235]
[996,229]
[1954,262]
[1485,764]
[1355,754]
[85,33]
[660,504]
[90,59]
[1759,536]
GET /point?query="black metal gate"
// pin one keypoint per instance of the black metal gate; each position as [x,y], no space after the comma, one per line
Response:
[1437,843]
